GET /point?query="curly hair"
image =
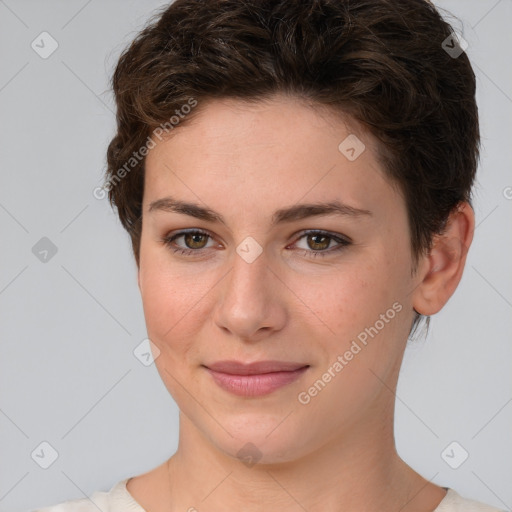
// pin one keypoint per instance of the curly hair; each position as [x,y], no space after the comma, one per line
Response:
[384,63]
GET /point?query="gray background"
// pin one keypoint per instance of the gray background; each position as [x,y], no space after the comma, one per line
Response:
[69,326]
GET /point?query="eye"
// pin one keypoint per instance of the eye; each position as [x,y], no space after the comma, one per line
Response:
[195,241]
[318,243]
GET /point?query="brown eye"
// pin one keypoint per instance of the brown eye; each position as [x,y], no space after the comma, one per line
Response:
[195,240]
[319,243]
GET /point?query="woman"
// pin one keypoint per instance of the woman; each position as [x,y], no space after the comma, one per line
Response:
[296,179]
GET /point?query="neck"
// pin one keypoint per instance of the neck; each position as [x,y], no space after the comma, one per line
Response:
[360,470]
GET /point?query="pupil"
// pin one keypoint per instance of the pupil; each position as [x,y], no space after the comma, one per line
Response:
[321,237]
[194,237]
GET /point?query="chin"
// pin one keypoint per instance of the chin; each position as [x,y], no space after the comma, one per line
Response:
[262,446]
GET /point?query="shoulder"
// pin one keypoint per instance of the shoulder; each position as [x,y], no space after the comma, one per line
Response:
[454,502]
[117,499]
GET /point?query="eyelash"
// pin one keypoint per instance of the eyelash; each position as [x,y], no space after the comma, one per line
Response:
[310,253]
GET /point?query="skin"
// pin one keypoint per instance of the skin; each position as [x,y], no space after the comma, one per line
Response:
[336,452]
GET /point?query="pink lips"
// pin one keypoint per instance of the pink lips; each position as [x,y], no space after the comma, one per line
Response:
[254,379]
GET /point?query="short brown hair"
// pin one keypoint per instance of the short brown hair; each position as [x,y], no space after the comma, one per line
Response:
[382,62]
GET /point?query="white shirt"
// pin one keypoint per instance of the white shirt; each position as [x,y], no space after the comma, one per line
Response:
[118,499]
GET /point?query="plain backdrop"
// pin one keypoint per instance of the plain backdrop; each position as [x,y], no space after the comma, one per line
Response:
[71,317]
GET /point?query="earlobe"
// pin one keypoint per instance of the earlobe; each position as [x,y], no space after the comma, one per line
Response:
[443,266]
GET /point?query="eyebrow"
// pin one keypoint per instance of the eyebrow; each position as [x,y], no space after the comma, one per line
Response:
[289,214]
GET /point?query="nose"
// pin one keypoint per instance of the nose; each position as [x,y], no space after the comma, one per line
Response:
[251,299]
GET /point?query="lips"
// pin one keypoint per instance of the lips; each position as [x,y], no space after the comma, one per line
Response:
[254,379]
[256,368]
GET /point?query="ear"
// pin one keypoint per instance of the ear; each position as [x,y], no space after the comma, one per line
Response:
[441,269]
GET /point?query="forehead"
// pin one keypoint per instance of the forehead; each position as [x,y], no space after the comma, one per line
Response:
[268,153]
[278,123]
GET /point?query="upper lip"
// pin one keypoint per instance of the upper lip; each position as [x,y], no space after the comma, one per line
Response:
[258,367]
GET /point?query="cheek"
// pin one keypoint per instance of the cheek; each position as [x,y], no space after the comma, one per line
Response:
[358,301]
[362,338]
[171,301]
[346,298]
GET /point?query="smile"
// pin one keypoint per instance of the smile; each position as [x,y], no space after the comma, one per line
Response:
[255,384]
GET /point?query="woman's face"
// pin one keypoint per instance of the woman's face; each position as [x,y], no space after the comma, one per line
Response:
[257,286]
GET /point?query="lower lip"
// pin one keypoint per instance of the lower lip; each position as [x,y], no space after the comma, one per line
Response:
[255,385]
